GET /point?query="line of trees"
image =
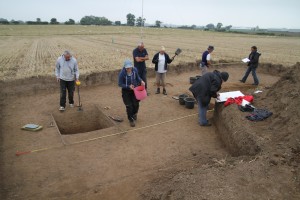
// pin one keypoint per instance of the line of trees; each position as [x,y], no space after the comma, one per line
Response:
[93,20]
[37,22]
[131,21]
[219,27]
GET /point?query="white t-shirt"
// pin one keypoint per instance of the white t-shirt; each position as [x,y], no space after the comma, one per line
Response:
[208,57]
[161,64]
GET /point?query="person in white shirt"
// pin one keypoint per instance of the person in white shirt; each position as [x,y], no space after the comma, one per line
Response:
[206,59]
[161,61]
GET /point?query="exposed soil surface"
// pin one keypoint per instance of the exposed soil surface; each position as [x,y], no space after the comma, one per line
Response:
[166,156]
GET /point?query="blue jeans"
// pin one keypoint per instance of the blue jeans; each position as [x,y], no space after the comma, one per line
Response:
[253,70]
[202,110]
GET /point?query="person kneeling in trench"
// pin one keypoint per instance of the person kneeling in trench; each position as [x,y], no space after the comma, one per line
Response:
[128,80]
[204,88]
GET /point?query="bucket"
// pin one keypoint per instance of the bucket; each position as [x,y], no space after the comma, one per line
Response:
[192,80]
[181,98]
[140,92]
[189,102]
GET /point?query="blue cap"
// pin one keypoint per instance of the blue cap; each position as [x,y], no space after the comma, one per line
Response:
[127,63]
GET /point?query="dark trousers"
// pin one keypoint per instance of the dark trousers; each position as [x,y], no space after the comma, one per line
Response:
[253,70]
[131,103]
[143,74]
[64,86]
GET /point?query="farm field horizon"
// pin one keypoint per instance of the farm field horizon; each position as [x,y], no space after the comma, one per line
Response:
[30,51]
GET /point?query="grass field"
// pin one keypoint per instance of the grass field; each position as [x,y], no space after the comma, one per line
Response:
[27,51]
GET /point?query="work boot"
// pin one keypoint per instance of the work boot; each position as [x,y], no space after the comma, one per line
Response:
[134,117]
[242,81]
[164,91]
[61,108]
[207,124]
[132,124]
[157,91]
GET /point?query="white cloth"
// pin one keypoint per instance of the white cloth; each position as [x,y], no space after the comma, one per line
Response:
[208,57]
[161,63]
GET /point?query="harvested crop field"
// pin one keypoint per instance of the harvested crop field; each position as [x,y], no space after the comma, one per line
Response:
[168,156]
[30,51]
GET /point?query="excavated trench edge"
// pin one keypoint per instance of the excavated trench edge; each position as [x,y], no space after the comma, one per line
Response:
[47,84]
[239,140]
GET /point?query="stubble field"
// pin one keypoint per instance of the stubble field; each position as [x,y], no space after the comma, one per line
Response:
[27,51]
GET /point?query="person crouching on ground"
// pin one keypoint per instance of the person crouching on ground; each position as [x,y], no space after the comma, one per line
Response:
[66,71]
[204,88]
[252,65]
[206,60]
[161,61]
[128,80]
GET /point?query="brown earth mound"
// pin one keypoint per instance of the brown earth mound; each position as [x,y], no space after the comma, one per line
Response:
[283,97]
[248,138]
[269,149]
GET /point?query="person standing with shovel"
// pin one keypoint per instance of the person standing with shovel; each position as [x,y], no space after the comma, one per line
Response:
[66,72]
[128,80]
[161,61]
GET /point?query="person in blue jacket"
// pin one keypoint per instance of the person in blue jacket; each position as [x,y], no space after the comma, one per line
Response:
[128,80]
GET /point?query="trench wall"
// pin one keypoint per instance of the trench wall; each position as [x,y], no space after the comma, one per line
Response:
[44,84]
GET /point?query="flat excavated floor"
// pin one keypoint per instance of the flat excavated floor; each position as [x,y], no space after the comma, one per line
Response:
[105,163]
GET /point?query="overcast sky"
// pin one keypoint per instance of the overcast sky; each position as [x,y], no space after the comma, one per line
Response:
[247,13]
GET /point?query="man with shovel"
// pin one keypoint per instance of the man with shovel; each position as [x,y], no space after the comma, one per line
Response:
[66,71]
[161,61]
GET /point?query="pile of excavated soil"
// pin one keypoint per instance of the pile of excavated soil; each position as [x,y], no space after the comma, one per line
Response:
[283,98]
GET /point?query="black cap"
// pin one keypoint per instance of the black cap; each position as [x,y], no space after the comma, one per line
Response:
[224,76]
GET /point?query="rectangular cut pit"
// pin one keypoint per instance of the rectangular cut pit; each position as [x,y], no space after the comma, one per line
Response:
[89,119]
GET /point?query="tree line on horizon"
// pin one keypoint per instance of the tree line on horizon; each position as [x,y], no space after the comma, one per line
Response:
[103,21]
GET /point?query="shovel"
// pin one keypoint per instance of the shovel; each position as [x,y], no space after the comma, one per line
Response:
[177,52]
[79,102]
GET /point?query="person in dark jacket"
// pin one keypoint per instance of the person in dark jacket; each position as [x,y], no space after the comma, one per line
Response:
[128,80]
[206,59]
[206,87]
[140,56]
[161,61]
[252,66]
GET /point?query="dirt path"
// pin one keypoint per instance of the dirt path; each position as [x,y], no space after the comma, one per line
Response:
[115,167]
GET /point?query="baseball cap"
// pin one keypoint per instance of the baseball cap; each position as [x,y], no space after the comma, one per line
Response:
[127,64]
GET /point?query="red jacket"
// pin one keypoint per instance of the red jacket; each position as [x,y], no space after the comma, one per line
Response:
[238,100]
